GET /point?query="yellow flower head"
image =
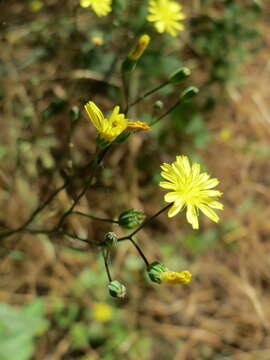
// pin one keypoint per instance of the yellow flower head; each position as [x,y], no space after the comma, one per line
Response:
[102,312]
[139,47]
[174,278]
[166,15]
[110,128]
[191,189]
[100,7]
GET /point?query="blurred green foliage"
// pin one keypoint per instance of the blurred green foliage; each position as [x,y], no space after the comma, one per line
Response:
[18,328]
[225,39]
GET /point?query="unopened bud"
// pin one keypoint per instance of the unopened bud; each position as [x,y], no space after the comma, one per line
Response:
[130,219]
[179,75]
[158,105]
[189,93]
[74,113]
[139,47]
[116,289]
[110,238]
[130,62]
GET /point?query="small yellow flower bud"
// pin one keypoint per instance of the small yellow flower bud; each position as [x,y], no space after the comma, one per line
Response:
[139,47]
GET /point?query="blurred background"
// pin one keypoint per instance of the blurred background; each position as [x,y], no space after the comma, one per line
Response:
[54,303]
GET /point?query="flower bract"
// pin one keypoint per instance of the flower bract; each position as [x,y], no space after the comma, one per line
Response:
[100,7]
[167,16]
[191,189]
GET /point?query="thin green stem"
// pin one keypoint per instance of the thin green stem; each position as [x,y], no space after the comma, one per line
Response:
[125,82]
[36,211]
[139,251]
[98,159]
[76,237]
[148,93]
[166,113]
[93,217]
[105,255]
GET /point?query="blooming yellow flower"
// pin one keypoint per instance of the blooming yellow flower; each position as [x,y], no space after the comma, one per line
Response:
[173,278]
[100,7]
[191,189]
[166,15]
[102,312]
[110,128]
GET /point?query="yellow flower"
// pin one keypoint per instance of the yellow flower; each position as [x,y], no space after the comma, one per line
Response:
[139,47]
[173,278]
[100,7]
[102,312]
[97,40]
[110,129]
[166,15]
[191,189]
[36,5]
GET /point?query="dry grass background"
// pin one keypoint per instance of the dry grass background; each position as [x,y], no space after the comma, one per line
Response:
[226,309]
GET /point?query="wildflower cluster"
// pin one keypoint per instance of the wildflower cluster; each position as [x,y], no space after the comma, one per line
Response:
[167,16]
[189,188]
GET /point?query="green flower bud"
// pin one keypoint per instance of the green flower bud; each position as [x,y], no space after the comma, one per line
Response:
[155,271]
[189,93]
[130,219]
[116,289]
[179,75]
[74,113]
[110,238]
[158,105]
